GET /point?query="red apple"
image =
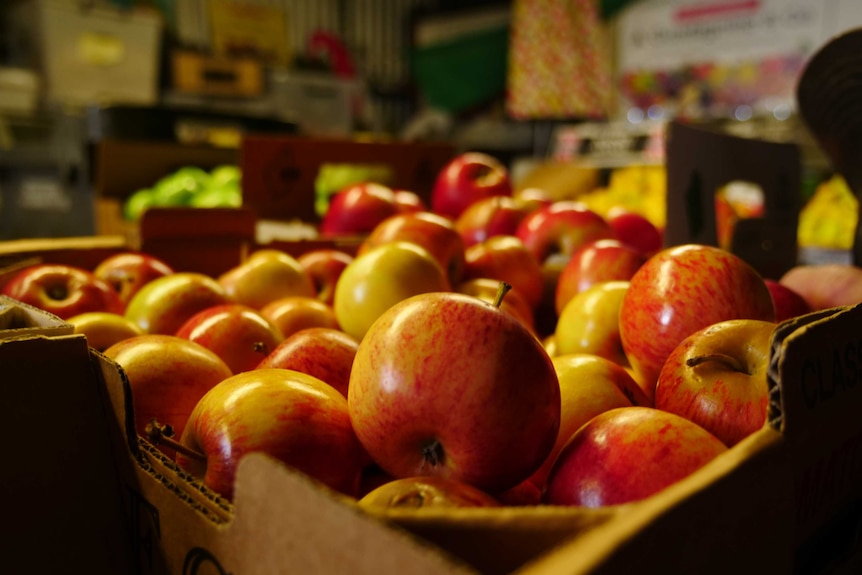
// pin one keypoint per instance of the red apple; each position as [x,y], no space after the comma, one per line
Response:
[325,353]
[238,334]
[489,217]
[788,302]
[716,377]
[424,492]
[63,290]
[428,230]
[679,291]
[324,266]
[465,179]
[292,314]
[635,230]
[488,290]
[127,272]
[596,262]
[167,376]
[265,276]
[409,201]
[506,258]
[627,454]
[164,304]
[559,229]
[589,385]
[355,210]
[445,384]
[291,416]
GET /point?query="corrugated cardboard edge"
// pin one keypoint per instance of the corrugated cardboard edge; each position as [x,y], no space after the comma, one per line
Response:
[18,320]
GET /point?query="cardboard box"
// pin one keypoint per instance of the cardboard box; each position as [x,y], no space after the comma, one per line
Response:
[786,499]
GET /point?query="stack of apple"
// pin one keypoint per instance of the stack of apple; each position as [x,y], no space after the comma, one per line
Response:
[417,371]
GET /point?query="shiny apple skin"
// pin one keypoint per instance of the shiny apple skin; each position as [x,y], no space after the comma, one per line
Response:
[561,228]
[599,261]
[489,217]
[291,416]
[237,333]
[679,291]
[729,400]
[468,178]
[628,454]
[425,492]
[127,272]
[323,266]
[325,353]
[426,229]
[267,275]
[63,290]
[103,329]
[167,376]
[506,258]
[788,302]
[636,230]
[448,385]
[355,210]
[164,304]
[292,314]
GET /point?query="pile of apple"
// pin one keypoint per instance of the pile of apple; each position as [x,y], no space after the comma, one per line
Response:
[488,349]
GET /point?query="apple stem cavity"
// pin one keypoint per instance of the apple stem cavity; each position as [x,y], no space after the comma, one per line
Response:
[163,434]
[727,360]
[432,453]
[502,290]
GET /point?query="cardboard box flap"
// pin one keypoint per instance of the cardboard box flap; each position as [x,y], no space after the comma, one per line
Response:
[18,319]
[277,508]
[816,377]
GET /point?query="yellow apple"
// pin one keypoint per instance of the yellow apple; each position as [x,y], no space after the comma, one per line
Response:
[589,322]
[103,329]
[294,313]
[589,385]
[514,303]
[381,277]
[267,275]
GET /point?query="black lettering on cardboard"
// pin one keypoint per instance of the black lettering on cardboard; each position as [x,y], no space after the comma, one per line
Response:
[810,381]
[198,556]
[837,379]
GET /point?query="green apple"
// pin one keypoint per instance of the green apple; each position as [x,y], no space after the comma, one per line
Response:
[137,203]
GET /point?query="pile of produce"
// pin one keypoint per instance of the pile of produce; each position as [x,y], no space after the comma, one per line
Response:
[188,186]
[484,349]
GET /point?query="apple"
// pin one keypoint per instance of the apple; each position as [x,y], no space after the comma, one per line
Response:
[291,416]
[424,492]
[788,302]
[590,323]
[265,276]
[104,328]
[488,289]
[627,454]
[506,258]
[589,385]
[381,277]
[323,266]
[598,261]
[468,177]
[431,231]
[635,230]
[293,313]
[409,201]
[323,352]
[167,376]
[355,210]
[489,217]
[561,228]
[716,377]
[683,289]
[826,285]
[237,333]
[447,385]
[62,290]
[166,303]
[126,272]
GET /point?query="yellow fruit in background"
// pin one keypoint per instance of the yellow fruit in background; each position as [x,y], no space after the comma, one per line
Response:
[828,219]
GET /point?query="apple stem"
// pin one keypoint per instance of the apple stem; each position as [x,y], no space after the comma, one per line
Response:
[163,434]
[432,453]
[502,290]
[730,361]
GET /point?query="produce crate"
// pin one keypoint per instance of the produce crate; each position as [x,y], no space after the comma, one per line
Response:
[786,499]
